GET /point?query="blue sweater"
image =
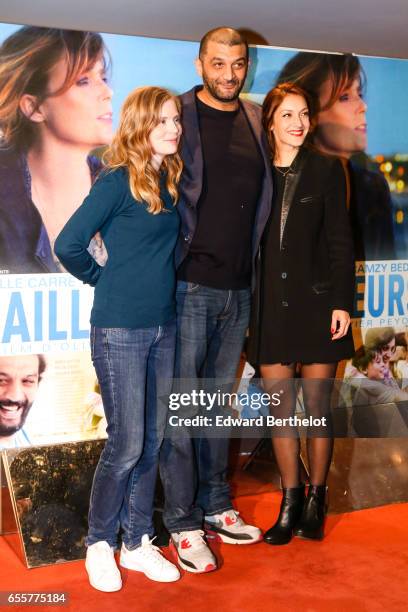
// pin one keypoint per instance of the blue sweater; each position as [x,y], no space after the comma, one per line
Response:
[136,286]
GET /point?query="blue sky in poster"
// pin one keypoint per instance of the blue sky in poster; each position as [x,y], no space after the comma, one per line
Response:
[148,61]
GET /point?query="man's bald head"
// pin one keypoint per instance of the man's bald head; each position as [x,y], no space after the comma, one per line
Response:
[222,36]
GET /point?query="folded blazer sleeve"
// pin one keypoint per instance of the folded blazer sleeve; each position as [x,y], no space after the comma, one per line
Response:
[339,239]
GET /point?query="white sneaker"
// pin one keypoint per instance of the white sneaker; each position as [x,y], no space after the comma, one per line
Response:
[193,553]
[100,564]
[148,559]
[229,527]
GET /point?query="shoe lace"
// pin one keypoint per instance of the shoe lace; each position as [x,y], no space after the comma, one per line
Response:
[152,552]
[105,556]
[195,538]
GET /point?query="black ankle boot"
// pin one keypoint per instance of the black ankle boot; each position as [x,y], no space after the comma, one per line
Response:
[289,515]
[311,523]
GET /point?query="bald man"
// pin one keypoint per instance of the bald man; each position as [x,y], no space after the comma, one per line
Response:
[225,199]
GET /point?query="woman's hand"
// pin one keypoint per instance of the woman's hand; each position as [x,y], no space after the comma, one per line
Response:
[98,240]
[339,324]
[97,249]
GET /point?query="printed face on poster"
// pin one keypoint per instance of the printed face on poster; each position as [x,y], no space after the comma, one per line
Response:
[55,121]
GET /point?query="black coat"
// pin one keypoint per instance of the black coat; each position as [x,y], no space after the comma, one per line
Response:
[307,270]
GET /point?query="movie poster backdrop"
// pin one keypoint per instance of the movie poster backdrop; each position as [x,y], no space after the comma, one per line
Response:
[52,135]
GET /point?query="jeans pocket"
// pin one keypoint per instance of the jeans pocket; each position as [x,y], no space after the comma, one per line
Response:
[187,287]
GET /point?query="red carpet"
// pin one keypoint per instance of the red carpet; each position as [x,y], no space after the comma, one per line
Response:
[362,565]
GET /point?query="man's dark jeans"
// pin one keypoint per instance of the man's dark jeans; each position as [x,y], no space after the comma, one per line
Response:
[211,326]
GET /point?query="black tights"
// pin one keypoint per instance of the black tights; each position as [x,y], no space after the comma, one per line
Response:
[316,379]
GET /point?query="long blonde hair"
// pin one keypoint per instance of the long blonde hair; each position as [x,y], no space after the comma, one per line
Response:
[26,60]
[131,147]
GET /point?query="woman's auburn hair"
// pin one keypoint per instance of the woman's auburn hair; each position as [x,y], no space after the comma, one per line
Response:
[274,99]
[131,147]
[26,60]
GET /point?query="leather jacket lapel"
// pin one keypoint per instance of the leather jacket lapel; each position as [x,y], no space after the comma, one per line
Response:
[291,183]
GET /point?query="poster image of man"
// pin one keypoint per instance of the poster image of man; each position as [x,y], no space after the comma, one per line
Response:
[55,108]
[20,377]
[49,399]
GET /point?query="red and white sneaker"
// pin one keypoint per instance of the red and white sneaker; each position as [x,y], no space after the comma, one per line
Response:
[229,527]
[193,553]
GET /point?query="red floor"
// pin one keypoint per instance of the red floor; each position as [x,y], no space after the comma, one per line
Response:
[362,565]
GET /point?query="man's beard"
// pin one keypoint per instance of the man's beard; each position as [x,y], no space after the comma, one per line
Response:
[217,93]
[9,430]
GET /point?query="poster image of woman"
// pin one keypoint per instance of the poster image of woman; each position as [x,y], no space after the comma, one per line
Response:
[55,108]
[336,83]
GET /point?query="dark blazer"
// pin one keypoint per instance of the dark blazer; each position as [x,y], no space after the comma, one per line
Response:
[314,271]
[192,179]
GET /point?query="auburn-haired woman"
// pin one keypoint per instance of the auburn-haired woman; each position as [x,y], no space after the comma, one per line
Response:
[55,107]
[132,205]
[304,297]
[336,83]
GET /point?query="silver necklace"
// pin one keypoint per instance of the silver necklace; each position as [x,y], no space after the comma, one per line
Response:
[283,172]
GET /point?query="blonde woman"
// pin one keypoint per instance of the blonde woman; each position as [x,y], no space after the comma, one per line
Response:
[55,107]
[133,326]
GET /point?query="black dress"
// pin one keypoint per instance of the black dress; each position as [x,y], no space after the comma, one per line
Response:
[306,267]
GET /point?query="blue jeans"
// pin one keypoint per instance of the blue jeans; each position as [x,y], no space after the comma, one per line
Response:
[134,369]
[211,326]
